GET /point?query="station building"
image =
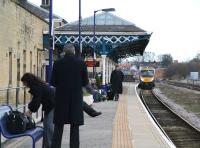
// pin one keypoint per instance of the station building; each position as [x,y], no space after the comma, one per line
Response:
[21,41]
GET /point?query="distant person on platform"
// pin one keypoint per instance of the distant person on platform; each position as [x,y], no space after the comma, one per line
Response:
[69,75]
[116,80]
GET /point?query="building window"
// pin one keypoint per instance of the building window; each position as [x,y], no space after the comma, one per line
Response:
[39,65]
[18,71]
[47,2]
[10,68]
[34,70]
[31,57]
[24,61]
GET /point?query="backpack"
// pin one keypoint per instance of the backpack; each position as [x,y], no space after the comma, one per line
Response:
[18,123]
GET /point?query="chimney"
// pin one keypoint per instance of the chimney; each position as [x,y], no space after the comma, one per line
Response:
[45,4]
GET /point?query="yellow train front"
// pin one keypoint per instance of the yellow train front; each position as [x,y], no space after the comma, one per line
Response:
[147,78]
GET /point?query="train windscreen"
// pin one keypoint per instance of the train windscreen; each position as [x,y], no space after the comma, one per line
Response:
[147,73]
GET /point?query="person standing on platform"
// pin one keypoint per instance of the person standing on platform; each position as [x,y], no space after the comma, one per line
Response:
[116,80]
[69,75]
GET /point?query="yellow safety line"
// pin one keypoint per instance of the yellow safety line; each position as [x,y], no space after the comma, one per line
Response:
[121,133]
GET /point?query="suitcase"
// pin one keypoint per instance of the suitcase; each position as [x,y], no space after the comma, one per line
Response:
[110,95]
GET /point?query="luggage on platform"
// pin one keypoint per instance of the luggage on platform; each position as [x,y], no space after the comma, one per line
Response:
[17,122]
[110,95]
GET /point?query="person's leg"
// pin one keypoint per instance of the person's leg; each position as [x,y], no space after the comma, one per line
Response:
[74,136]
[89,110]
[49,127]
[116,97]
[45,139]
[57,136]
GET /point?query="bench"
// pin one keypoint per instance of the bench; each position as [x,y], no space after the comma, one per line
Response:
[35,133]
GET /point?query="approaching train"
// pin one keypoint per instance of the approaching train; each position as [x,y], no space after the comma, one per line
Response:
[147,78]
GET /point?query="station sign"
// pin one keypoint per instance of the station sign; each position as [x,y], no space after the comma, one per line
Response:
[194,75]
[92,63]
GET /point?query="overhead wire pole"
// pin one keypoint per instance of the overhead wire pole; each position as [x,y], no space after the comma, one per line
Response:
[51,38]
[94,34]
[79,29]
[94,46]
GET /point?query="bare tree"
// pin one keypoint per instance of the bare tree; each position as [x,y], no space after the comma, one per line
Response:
[166,60]
[148,57]
[182,70]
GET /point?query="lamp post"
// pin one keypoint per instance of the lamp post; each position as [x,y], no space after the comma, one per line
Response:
[51,38]
[94,30]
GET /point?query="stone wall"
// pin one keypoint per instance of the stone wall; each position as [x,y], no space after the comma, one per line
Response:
[21,41]
[21,46]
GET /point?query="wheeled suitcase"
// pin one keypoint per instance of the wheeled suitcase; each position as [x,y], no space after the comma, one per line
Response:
[110,95]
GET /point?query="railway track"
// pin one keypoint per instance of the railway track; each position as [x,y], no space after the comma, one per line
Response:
[181,133]
[185,85]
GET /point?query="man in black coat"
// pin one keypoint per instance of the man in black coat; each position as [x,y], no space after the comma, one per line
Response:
[116,80]
[68,77]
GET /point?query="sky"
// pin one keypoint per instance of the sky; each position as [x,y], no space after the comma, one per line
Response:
[175,24]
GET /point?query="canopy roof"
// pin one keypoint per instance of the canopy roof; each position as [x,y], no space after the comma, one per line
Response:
[105,22]
[114,36]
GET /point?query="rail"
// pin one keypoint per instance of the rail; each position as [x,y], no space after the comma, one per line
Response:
[180,131]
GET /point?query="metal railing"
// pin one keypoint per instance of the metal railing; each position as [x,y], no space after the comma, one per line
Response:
[16,97]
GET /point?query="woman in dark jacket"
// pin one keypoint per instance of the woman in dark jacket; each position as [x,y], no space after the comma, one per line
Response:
[43,95]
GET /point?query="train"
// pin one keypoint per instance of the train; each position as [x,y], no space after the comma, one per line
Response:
[147,78]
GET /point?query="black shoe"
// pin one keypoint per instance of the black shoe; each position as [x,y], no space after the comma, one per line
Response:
[95,114]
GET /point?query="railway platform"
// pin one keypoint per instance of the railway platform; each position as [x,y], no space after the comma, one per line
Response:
[123,124]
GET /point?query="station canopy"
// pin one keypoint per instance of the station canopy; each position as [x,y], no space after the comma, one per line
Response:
[114,36]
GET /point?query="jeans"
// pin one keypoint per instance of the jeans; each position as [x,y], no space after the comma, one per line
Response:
[58,132]
[48,129]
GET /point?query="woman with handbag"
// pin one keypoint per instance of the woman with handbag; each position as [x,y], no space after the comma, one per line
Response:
[42,94]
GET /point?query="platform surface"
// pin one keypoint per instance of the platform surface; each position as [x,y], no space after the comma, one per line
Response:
[123,124]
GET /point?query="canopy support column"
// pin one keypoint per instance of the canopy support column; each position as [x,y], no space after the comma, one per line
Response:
[104,69]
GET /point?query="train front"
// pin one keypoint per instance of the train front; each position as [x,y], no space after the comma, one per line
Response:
[147,78]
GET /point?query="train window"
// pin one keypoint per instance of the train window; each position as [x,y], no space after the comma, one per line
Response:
[147,73]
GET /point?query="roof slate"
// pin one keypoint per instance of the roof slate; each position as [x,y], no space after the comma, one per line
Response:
[105,22]
[102,28]
[35,10]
